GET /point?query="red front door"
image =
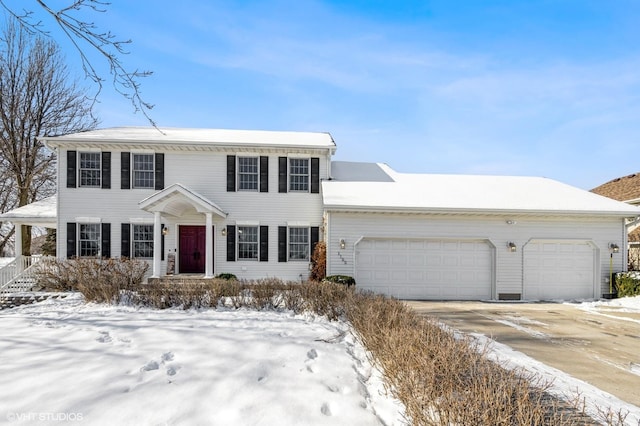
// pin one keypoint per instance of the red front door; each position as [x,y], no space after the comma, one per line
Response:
[192,249]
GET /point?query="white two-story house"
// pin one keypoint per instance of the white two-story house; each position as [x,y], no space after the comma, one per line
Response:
[193,201]
[255,203]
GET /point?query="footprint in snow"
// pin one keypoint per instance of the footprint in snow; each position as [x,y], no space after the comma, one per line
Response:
[326,409]
[167,356]
[312,354]
[151,365]
[104,337]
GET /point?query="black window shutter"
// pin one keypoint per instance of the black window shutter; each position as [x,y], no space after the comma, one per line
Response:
[106,170]
[106,240]
[71,240]
[231,173]
[315,175]
[315,237]
[264,174]
[161,242]
[71,169]
[159,172]
[125,247]
[282,174]
[282,243]
[125,170]
[231,243]
[264,244]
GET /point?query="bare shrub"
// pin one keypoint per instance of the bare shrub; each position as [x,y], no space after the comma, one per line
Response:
[99,280]
[444,379]
[267,293]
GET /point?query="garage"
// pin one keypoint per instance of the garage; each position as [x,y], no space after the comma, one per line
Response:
[437,269]
[559,269]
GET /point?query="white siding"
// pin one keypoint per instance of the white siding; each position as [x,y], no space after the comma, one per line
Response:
[204,173]
[509,265]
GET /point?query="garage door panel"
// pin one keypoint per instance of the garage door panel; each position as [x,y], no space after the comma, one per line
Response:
[426,269]
[559,270]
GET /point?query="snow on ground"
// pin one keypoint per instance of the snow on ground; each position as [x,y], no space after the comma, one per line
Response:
[66,361]
[564,384]
[4,261]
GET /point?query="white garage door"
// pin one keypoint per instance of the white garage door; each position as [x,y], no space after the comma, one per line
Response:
[425,269]
[558,270]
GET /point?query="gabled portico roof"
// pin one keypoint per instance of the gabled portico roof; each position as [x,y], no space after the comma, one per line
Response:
[176,199]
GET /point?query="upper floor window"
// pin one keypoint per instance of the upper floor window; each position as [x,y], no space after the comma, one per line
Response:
[143,171]
[89,239]
[248,173]
[248,242]
[298,243]
[143,241]
[299,174]
[90,166]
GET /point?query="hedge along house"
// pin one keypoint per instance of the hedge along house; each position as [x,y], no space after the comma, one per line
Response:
[417,236]
[254,203]
[193,201]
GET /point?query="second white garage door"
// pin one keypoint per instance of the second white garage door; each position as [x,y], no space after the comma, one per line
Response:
[558,270]
[425,269]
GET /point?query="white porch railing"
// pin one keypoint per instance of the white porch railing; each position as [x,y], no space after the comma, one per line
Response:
[19,274]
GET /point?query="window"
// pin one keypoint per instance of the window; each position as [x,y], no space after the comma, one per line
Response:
[89,240]
[298,243]
[143,171]
[90,169]
[248,242]
[248,173]
[143,241]
[299,174]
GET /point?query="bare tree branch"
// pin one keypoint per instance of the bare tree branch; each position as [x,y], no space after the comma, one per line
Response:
[37,98]
[85,34]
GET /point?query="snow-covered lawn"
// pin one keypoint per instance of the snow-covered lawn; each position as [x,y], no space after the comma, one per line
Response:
[65,361]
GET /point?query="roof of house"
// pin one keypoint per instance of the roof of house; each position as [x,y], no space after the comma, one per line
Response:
[195,137]
[625,188]
[42,212]
[463,194]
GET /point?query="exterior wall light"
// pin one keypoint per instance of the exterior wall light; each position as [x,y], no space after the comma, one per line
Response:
[165,231]
[511,246]
[343,244]
[613,248]
[224,232]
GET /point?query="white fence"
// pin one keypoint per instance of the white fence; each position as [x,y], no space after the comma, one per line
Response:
[22,269]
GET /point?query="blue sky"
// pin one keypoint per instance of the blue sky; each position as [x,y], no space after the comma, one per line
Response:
[545,88]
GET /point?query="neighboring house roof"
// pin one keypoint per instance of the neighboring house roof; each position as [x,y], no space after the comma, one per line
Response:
[176,137]
[42,213]
[626,188]
[467,194]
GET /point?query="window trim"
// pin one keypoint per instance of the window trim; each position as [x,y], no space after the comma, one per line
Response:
[306,244]
[98,239]
[290,174]
[80,169]
[152,171]
[134,241]
[239,173]
[256,243]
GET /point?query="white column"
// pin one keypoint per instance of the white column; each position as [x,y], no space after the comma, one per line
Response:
[18,247]
[157,245]
[208,268]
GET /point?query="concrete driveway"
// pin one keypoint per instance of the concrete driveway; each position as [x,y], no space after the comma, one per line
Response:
[601,348]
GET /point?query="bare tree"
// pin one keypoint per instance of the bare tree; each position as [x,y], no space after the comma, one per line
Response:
[37,98]
[86,36]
